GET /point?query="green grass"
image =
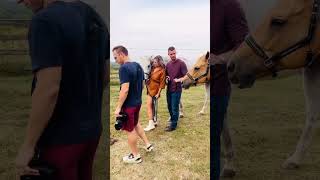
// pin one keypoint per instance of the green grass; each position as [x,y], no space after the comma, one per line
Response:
[114,76]
[182,154]
[12,10]
[15,104]
[14,64]
[266,122]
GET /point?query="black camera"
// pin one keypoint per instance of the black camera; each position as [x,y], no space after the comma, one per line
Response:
[46,171]
[120,120]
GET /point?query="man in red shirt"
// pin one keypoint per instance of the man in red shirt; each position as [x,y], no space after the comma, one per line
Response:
[176,69]
[228,30]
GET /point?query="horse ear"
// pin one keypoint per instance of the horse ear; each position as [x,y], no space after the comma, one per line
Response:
[207,55]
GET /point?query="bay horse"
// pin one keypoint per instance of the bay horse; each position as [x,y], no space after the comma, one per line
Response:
[287,38]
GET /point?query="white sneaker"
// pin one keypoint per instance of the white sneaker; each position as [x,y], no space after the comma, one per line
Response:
[150,126]
[149,148]
[131,159]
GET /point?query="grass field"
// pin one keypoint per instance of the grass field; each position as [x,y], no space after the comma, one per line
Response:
[11,10]
[14,110]
[182,154]
[266,122]
[14,64]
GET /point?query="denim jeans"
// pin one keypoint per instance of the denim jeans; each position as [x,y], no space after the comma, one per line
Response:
[218,109]
[173,100]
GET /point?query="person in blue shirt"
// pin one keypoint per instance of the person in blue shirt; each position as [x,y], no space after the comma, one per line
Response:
[130,99]
[68,56]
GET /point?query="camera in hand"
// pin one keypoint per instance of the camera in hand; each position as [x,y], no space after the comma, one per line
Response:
[45,170]
[120,120]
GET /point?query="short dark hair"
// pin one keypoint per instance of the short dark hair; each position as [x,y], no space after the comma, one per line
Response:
[171,48]
[121,49]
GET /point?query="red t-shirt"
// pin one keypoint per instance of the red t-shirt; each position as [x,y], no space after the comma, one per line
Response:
[175,69]
[228,30]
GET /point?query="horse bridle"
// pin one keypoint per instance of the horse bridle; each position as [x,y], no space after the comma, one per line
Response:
[195,80]
[270,62]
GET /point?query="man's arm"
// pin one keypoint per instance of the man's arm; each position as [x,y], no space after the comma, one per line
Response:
[221,58]
[183,71]
[236,23]
[122,96]
[44,99]
[237,29]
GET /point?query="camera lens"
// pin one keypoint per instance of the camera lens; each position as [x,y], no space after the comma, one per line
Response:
[118,126]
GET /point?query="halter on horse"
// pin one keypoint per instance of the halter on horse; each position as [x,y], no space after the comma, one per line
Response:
[270,62]
[244,67]
[195,80]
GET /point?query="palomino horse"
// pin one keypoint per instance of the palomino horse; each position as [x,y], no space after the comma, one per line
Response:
[199,74]
[287,38]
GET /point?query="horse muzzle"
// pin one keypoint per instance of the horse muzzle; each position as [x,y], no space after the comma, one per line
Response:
[186,84]
[244,80]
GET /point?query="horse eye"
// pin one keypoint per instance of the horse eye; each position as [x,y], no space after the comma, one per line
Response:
[278,21]
[196,68]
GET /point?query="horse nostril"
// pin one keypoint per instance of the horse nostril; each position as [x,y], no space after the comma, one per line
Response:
[231,67]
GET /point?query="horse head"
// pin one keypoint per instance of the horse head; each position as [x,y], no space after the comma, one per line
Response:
[287,38]
[199,73]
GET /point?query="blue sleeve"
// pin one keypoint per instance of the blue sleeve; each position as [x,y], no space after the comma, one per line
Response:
[124,75]
[45,44]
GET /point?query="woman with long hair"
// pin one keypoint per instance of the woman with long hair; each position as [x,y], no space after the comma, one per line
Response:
[155,83]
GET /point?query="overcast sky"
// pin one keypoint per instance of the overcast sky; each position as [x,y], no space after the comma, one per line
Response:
[149,27]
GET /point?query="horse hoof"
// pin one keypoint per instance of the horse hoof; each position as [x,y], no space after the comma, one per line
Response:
[228,173]
[289,164]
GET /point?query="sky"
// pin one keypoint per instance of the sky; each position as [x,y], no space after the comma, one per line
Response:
[149,27]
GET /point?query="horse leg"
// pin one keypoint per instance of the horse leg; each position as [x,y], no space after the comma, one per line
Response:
[312,99]
[206,97]
[228,168]
[181,109]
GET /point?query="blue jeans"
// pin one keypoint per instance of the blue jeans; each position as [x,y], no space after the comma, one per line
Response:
[173,100]
[218,109]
